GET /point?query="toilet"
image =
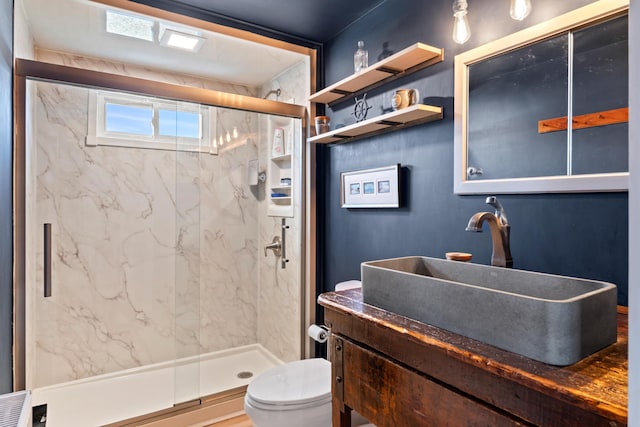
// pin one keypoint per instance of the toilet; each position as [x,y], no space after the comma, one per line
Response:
[291,395]
[294,394]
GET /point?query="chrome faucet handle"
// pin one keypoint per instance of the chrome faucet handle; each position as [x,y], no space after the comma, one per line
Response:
[275,246]
[499,210]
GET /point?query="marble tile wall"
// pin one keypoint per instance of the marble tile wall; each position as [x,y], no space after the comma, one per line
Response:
[229,248]
[113,231]
[154,251]
[96,64]
[280,290]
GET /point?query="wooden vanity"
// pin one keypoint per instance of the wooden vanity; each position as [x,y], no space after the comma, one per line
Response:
[399,372]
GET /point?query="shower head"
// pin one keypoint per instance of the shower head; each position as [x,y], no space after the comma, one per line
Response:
[276,91]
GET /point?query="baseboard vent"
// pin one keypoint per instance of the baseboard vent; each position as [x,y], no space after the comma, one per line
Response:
[15,409]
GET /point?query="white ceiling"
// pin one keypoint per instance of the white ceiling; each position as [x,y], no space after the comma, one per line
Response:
[78,26]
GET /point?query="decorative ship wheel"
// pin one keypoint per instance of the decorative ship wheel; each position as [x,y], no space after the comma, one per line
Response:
[361,108]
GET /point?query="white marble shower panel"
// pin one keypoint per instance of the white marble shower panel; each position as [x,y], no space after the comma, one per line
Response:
[279,300]
[293,84]
[229,238]
[154,251]
[113,246]
[150,244]
[280,291]
[187,251]
[97,64]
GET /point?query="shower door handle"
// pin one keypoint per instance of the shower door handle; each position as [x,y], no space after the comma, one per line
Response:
[284,260]
[47,260]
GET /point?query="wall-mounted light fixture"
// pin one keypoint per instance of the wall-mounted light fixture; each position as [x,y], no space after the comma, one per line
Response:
[520,9]
[461,30]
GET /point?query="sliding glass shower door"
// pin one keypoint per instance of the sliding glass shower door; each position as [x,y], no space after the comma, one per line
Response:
[188,125]
[113,238]
[147,280]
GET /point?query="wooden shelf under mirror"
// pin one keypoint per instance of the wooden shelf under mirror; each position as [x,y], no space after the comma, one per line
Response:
[410,116]
[404,62]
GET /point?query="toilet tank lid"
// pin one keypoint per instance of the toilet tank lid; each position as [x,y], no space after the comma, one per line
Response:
[349,284]
[293,383]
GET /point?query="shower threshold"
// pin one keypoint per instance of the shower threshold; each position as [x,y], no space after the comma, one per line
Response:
[117,396]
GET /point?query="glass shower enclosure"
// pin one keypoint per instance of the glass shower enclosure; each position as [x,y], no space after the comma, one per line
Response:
[145,282]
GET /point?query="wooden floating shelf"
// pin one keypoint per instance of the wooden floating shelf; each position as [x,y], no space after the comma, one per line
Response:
[410,116]
[602,118]
[408,60]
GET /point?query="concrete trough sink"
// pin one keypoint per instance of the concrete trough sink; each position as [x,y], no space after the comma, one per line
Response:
[553,319]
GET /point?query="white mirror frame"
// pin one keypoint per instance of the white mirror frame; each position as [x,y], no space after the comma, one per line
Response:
[604,182]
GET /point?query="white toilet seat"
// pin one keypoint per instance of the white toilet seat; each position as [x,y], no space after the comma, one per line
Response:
[295,385]
[294,394]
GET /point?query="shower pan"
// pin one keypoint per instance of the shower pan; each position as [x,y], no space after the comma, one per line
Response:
[145,284]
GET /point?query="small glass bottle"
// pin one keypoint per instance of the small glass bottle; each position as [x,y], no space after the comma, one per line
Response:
[360,58]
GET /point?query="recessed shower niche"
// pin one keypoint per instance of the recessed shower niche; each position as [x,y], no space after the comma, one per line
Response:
[284,141]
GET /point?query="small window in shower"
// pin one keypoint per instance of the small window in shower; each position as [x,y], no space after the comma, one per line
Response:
[124,120]
[179,123]
[128,119]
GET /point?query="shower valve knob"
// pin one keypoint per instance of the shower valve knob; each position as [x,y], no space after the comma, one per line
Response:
[275,246]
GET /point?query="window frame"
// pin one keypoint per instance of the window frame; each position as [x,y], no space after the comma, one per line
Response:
[98,135]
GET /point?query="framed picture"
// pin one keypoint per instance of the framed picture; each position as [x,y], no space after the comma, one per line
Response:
[371,188]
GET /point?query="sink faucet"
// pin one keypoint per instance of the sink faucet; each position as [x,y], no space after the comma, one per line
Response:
[499,227]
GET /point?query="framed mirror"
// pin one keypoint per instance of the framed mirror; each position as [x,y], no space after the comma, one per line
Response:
[515,97]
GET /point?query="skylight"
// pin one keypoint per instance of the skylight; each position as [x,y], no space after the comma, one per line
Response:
[130,26]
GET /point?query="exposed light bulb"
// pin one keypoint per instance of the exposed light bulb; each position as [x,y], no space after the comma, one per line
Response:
[461,30]
[520,9]
[220,141]
[235,132]
[228,137]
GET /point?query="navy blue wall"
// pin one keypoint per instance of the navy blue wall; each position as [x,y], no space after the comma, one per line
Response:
[6,194]
[584,235]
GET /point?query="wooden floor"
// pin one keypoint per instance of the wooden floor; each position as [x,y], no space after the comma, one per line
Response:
[227,406]
[241,421]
